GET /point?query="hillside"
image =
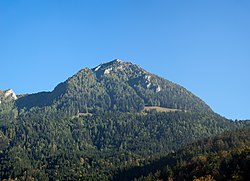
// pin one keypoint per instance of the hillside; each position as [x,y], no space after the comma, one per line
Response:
[224,157]
[101,123]
[47,145]
[114,86]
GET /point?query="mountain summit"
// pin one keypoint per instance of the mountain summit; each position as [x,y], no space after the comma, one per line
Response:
[115,86]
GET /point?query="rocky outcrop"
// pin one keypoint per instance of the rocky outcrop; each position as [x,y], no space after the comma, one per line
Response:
[8,94]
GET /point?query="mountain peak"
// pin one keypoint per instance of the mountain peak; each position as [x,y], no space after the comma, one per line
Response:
[115,85]
[115,66]
[117,60]
[112,63]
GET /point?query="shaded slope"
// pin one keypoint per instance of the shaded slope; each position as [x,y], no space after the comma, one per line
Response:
[224,157]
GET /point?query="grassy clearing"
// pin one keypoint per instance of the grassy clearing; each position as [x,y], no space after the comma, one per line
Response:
[159,109]
[85,114]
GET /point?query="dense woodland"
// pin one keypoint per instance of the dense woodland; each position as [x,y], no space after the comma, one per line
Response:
[224,157]
[46,144]
[93,127]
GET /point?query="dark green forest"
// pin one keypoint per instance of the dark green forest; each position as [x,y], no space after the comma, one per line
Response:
[93,126]
[224,157]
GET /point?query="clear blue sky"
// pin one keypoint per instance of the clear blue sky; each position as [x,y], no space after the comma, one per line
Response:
[201,45]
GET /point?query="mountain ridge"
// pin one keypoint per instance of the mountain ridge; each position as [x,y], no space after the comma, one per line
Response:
[117,86]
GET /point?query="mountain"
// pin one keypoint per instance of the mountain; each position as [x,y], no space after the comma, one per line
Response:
[101,123]
[115,86]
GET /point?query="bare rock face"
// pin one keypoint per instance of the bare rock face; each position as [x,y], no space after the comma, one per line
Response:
[10,93]
[7,95]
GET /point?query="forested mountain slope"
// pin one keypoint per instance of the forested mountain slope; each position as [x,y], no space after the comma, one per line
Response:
[224,157]
[114,86]
[94,126]
[45,144]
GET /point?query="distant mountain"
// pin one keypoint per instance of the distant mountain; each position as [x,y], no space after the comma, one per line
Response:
[115,86]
